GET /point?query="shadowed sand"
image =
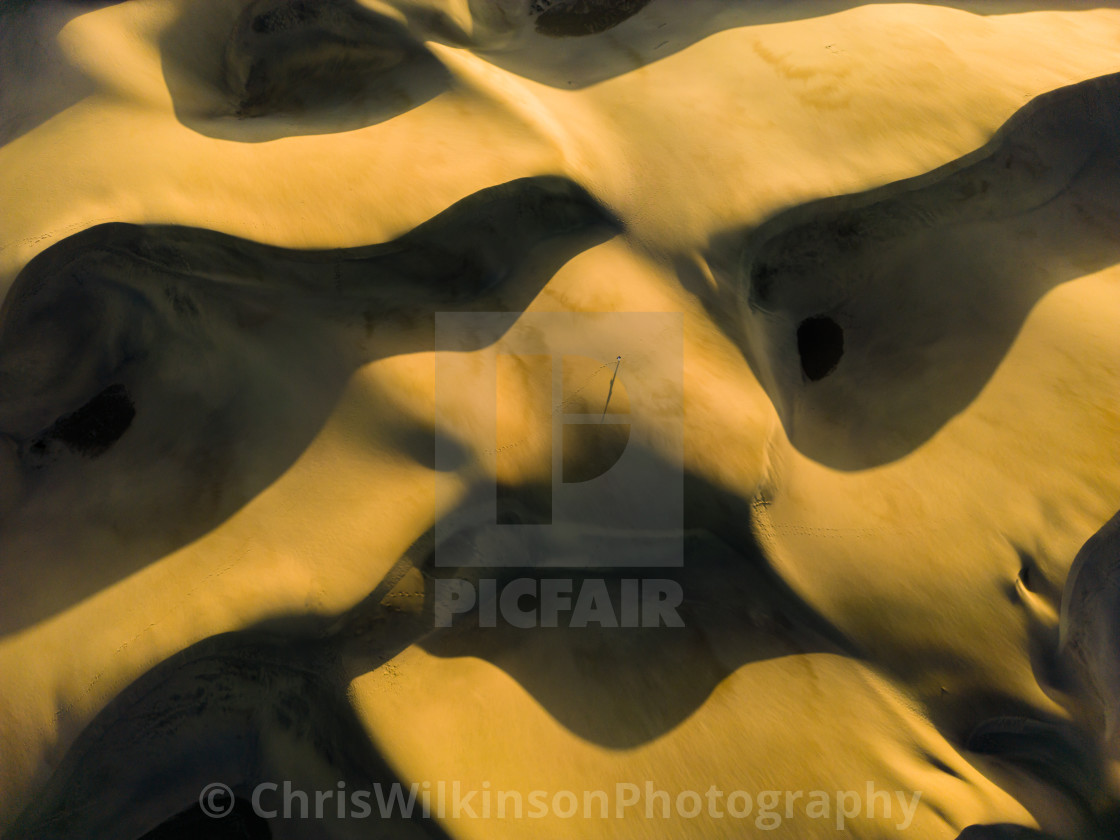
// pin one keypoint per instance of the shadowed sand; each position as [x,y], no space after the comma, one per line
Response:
[28,38]
[293,67]
[1083,670]
[1090,631]
[266,703]
[179,371]
[897,413]
[241,709]
[873,319]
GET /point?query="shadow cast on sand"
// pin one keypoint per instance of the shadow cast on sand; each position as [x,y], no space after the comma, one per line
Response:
[872,319]
[278,68]
[155,379]
[625,686]
[572,44]
[1081,670]
[36,80]
[269,702]
[258,70]
[241,709]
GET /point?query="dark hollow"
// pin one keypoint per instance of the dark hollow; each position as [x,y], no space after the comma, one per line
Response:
[97,425]
[241,823]
[820,343]
[583,17]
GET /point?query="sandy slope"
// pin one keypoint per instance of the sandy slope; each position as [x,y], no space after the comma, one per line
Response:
[880,555]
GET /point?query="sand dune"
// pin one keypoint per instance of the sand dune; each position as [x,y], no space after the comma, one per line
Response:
[928,281]
[240,452]
[170,340]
